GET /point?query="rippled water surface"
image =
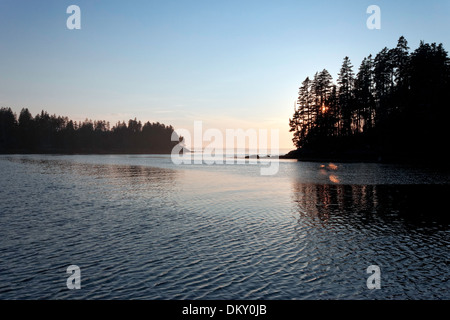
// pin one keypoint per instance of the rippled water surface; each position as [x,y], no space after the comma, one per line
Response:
[140,227]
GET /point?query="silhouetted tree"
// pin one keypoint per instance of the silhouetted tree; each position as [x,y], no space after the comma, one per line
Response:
[51,134]
[346,100]
[8,125]
[364,99]
[395,106]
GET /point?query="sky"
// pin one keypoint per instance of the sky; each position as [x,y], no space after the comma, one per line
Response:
[230,64]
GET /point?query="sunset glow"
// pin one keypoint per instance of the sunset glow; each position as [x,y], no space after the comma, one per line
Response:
[334,179]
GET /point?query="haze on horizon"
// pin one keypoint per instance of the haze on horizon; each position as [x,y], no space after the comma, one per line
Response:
[230,64]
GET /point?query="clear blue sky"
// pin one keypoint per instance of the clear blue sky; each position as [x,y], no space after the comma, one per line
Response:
[231,64]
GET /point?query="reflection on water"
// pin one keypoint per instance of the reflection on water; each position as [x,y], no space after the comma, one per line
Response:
[141,228]
[364,204]
[401,228]
[334,178]
[131,173]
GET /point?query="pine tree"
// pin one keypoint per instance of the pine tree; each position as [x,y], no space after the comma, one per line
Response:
[364,94]
[396,105]
[346,83]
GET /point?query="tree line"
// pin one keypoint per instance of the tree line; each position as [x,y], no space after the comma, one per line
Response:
[46,133]
[395,106]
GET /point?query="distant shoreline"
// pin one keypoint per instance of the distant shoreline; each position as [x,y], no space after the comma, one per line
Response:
[82,153]
[298,155]
[363,157]
[336,157]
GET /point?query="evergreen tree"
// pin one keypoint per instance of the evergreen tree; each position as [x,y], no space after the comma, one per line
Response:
[50,134]
[395,106]
[364,98]
[346,99]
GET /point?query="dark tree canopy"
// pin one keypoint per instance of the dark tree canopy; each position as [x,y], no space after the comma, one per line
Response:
[46,133]
[395,107]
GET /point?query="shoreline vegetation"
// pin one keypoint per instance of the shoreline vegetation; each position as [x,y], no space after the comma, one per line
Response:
[51,134]
[394,109]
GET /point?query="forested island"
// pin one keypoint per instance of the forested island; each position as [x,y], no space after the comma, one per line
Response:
[46,133]
[396,108]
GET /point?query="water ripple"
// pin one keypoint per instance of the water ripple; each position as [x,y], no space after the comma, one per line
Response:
[161,232]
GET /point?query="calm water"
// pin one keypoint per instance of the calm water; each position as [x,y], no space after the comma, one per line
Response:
[140,227]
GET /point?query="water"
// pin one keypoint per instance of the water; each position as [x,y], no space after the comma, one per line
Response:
[140,227]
